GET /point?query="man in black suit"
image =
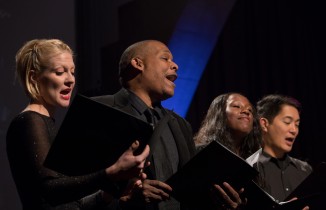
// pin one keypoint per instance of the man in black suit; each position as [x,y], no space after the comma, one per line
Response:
[147,74]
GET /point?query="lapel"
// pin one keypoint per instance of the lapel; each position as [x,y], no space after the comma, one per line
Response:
[178,133]
[158,132]
[178,128]
[179,136]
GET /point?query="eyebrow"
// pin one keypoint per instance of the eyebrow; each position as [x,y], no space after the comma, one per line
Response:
[289,117]
[167,51]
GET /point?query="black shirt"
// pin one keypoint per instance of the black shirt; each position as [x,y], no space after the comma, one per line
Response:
[279,177]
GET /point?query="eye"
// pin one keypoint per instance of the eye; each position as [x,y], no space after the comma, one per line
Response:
[59,73]
[287,122]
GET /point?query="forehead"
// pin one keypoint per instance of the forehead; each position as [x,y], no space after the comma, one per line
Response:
[158,47]
[288,110]
[61,57]
[237,97]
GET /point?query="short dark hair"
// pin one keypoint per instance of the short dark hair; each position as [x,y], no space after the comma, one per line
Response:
[125,67]
[269,106]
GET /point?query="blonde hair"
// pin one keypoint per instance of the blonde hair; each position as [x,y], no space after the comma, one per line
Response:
[34,55]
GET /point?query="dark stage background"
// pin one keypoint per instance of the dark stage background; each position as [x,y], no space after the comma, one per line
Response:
[272,46]
[265,47]
[21,21]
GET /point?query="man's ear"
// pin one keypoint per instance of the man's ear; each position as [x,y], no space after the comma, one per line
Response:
[263,124]
[137,63]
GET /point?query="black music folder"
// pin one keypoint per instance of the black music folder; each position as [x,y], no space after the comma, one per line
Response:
[311,192]
[259,199]
[313,186]
[213,164]
[92,137]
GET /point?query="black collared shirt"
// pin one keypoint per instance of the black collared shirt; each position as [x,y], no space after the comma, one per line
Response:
[281,176]
[141,109]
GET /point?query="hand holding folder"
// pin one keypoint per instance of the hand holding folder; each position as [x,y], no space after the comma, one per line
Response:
[311,192]
[312,187]
[214,164]
[92,137]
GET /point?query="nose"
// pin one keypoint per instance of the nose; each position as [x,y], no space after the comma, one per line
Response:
[174,66]
[70,79]
[294,129]
[245,110]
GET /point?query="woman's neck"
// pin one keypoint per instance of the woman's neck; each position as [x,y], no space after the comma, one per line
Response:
[40,108]
[237,142]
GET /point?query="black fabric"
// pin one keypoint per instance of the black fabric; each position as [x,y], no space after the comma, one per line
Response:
[151,119]
[173,140]
[91,145]
[279,177]
[29,138]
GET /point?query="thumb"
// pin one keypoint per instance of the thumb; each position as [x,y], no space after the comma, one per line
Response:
[134,146]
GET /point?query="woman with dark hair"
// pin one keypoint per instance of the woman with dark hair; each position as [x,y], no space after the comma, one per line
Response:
[232,121]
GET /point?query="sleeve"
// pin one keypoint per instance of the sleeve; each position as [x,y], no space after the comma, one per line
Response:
[95,201]
[34,140]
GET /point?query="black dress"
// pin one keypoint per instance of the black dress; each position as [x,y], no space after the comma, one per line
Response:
[29,138]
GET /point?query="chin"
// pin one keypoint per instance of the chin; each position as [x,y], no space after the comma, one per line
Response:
[167,94]
[245,131]
[64,104]
[287,149]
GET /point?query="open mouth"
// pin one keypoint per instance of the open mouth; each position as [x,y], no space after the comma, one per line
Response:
[172,77]
[289,140]
[65,92]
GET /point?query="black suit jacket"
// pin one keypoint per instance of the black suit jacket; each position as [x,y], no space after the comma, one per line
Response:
[179,127]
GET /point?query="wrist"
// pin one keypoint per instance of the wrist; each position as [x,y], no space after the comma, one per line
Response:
[111,173]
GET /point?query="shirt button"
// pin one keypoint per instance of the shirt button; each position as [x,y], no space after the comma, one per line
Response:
[287,189]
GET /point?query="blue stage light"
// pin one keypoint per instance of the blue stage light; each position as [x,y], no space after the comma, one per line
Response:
[191,44]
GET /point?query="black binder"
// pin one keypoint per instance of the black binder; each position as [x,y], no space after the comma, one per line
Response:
[313,186]
[310,192]
[213,164]
[92,137]
[260,199]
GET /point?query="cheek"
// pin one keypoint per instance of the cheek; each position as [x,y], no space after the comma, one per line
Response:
[48,85]
[230,121]
[230,115]
[44,85]
[277,133]
[159,75]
